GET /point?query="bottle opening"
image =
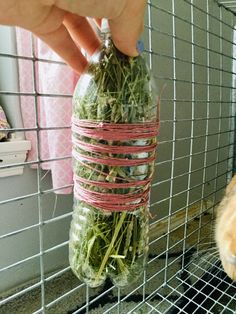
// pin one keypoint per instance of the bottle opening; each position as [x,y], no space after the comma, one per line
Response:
[105,26]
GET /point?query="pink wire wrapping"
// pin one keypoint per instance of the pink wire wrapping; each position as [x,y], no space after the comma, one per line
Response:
[112,185]
[122,132]
[101,148]
[112,202]
[112,161]
[114,132]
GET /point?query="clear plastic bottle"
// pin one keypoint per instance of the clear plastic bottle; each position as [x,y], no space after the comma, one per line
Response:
[116,89]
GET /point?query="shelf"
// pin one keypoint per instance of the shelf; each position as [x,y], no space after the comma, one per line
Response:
[13,152]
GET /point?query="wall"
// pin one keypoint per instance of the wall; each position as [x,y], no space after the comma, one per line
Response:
[23,213]
[191,165]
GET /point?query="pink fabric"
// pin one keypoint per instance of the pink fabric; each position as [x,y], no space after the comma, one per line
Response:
[52,111]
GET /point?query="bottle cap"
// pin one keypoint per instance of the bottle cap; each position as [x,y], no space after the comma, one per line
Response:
[105,26]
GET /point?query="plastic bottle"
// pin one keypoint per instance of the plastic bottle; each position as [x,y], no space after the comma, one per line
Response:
[109,228]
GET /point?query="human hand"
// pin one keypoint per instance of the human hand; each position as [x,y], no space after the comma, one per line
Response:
[63,25]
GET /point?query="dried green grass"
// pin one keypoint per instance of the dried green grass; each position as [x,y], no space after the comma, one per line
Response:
[115,244]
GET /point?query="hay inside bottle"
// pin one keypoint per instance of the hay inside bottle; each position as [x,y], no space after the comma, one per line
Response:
[114,143]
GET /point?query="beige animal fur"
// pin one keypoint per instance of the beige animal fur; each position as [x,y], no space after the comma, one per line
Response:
[225,231]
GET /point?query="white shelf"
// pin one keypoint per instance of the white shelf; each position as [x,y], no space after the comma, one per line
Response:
[13,152]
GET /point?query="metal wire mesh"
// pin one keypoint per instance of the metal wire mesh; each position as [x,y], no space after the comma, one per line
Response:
[190,49]
[228,4]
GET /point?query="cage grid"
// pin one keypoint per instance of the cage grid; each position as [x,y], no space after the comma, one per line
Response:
[190,47]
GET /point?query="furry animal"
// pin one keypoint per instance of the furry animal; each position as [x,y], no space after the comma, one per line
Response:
[225,230]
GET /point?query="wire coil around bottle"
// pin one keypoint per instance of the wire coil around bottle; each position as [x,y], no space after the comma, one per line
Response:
[87,154]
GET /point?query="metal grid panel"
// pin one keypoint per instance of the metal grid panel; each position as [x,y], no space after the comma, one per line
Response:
[189,48]
[229,4]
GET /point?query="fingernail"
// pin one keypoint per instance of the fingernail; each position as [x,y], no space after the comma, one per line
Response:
[140,46]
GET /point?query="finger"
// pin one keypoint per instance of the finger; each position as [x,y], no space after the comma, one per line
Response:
[97,9]
[61,42]
[127,28]
[82,32]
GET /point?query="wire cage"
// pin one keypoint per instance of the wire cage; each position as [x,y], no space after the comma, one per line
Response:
[190,47]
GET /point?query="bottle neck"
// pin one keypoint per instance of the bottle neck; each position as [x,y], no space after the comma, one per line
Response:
[106,39]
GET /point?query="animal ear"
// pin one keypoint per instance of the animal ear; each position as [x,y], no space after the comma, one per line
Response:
[231,185]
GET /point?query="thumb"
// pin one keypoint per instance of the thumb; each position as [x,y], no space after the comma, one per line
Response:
[128,26]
